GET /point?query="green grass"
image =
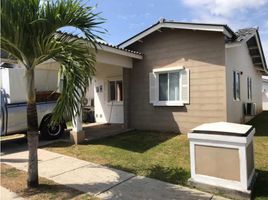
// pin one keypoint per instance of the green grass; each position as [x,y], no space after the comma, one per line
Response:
[10,172]
[261,154]
[163,156]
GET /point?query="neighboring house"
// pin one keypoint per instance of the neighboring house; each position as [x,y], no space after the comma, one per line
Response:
[174,76]
[265,93]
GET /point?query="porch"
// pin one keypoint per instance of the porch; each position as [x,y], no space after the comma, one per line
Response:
[108,95]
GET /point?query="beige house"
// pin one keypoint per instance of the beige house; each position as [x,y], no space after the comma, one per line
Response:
[191,74]
[174,76]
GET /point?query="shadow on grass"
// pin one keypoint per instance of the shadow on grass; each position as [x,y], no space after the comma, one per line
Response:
[260,122]
[135,141]
[171,175]
[261,185]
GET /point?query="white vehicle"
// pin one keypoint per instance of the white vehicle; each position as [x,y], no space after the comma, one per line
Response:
[14,106]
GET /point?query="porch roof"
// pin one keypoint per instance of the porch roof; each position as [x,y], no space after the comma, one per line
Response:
[111,48]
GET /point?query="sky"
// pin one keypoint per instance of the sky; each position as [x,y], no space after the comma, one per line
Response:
[125,18]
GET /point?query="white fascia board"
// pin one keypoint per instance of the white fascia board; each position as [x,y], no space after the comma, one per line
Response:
[140,36]
[177,26]
[259,47]
[198,27]
[261,53]
[110,50]
[119,52]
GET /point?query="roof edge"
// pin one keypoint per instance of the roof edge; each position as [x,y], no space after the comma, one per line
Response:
[179,25]
[109,48]
[262,52]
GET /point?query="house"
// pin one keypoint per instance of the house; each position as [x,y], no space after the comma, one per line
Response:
[174,76]
[265,93]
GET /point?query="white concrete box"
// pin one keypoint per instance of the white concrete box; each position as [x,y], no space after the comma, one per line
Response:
[222,155]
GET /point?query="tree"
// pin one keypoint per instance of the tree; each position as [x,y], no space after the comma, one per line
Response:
[29,33]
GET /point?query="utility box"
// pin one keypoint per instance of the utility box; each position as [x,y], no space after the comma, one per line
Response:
[222,158]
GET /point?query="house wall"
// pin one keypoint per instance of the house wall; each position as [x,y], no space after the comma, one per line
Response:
[200,51]
[265,94]
[105,111]
[238,58]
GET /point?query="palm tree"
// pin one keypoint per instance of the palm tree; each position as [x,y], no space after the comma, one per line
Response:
[29,33]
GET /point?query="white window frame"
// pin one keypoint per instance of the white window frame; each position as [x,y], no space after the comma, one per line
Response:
[249,88]
[236,93]
[159,71]
[109,92]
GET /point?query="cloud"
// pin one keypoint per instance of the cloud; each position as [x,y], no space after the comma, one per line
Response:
[225,8]
[265,48]
[236,13]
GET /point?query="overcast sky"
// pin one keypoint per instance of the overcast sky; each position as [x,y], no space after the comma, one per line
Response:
[125,18]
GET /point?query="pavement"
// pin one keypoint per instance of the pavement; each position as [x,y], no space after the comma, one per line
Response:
[8,195]
[100,181]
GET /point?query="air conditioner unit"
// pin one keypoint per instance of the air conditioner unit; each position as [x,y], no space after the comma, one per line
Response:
[87,102]
[250,109]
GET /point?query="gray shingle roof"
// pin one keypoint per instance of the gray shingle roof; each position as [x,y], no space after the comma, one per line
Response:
[245,33]
[102,43]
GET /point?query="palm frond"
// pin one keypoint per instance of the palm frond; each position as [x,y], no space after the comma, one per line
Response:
[77,68]
[25,22]
[29,32]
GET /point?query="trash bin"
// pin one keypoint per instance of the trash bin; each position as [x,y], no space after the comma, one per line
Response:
[222,155]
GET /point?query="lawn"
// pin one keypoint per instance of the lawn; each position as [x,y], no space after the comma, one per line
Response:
[163,156]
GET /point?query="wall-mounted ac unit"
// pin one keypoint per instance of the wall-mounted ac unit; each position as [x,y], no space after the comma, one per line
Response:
[249,109]
[87,102]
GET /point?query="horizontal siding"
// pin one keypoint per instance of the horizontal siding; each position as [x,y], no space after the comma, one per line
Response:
[201,52]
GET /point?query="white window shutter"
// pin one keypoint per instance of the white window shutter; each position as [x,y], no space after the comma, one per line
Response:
[185,87]
[152,87]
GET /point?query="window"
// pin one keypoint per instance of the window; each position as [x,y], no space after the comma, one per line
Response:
[236,85]
[115,91]
[249,86]
[169,86]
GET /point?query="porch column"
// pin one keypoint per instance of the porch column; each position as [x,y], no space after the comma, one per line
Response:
[77,135]
[126,99]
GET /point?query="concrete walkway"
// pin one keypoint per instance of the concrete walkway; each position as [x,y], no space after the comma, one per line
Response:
[101,181]
[8,195]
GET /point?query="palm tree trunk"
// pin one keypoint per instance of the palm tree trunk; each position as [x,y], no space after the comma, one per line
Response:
[32,132]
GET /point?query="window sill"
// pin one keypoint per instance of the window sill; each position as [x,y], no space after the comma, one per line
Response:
[115,103]
[168,103]
[236,100]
